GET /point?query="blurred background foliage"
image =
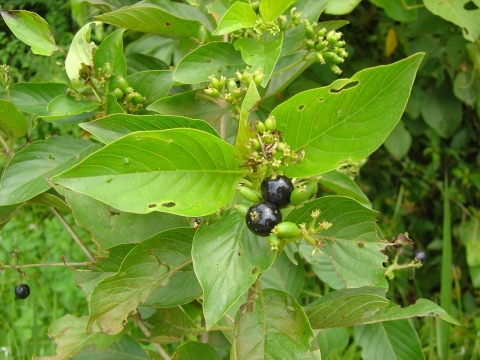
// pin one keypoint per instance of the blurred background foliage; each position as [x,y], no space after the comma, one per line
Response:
[436,144]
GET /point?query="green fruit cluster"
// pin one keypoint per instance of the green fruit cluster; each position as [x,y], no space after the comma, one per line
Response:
[127,96]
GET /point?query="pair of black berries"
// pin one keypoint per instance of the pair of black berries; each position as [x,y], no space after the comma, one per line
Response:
[263,217]
[22,291]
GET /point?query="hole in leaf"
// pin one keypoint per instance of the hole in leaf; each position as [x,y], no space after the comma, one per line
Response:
[345,87]
[169,204]
[254,270]
[470,6]
[151,206]
[208,60]
[50,157]
[321,99]
[239,253]
[167,23]
[300,108]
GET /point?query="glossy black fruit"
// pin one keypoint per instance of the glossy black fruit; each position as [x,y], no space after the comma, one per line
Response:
[22,291]
[262,218]
[277,190]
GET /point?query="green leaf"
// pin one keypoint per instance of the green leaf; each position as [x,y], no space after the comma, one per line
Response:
[12,122]
[238,16]
[330,340]
[113,107]
[106,265]
[348,120]
[341,184]
[310,10]
[179,171]
[191,104]
[170,325]
[396,9]
[321,264]
[160,18]
[365,305]
[27,172]
[113,127]
[80,54]
[351,242]
[227,258]
[140,62]
[153,84]
[195,350]
[441,110]
[31,29]
[399,141]
[126,349]
[341,7]
[33,98]
[465,89]
[69,333]
[275,328]
[110,227]
[455,12]
[263,55]
[111,51]
[271,9]
[396,340]
[64,107]
[47,199]
[284,275]
[214,58]
[7,212]
[182,288]
[245,129]
[146,267]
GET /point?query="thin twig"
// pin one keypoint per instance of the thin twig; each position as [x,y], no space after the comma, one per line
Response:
[73,234]
[141,325]
[41,265]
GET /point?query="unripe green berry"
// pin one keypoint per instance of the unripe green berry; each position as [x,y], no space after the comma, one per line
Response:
[231,86]
[213,218]
[287,229]
[255,5]
[258,79]
[137,98]
[255,144]
[202,35]
[282,22]
[321,45]
[118,93]
[274,241]
[309,33]
[334,68]
[108,70]
[328,55]
[129,97]
[247,78]
[320,57]
[249,194]
[242,209]
[337,60]
[214,82]
[212,92]
[268,138]
[322,32]
[129,90]
[122,83]
[310,44]
[270,123]
[281,146]
[302,193]
[333,37]
[222,81]
[339,44]
[260,126]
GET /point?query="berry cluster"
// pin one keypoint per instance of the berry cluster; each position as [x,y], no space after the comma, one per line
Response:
[327,46]
[229,90]
[127,96]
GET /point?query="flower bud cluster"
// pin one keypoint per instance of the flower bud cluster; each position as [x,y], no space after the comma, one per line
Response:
[328,46]
[231,90]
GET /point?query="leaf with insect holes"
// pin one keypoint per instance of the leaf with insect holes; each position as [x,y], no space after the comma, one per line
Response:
[348,120]
[180,171]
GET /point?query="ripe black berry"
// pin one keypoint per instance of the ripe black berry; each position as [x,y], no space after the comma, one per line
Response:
[262,218]
[277,190]
[22,291]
